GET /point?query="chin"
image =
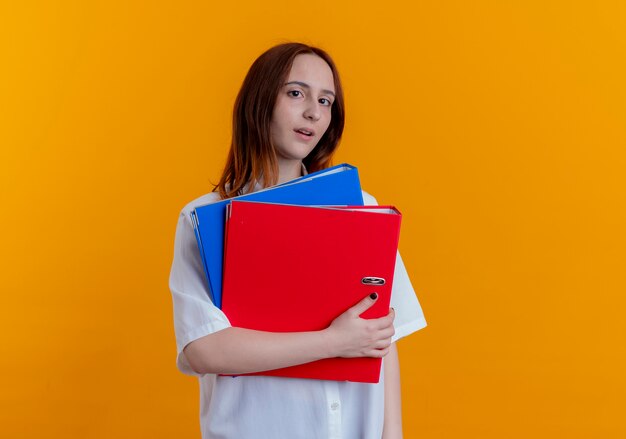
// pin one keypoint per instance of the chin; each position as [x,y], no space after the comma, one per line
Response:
[295,153]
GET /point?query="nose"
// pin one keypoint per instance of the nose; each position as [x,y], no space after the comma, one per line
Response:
[312,112]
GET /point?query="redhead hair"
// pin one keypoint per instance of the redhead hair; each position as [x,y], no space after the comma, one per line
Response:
[252,156]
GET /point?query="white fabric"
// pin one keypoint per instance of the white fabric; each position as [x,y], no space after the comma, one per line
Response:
[258,407]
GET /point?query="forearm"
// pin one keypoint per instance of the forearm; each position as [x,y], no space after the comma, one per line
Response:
[237,350]
[393,402]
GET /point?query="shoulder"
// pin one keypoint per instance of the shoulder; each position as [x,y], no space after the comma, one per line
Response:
[209,198]
[368,199]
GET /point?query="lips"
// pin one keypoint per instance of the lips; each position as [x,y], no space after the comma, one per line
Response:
[306,131]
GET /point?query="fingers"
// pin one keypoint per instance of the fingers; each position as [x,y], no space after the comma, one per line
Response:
[364,304]
[382,344]
[383,337]
[378,332]
[384,322]
[387,333]
[379,353]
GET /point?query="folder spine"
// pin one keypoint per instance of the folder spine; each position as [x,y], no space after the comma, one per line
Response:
[196,230]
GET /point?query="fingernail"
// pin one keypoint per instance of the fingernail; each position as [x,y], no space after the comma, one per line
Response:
[373,296]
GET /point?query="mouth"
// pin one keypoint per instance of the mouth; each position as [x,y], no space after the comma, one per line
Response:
[305,132]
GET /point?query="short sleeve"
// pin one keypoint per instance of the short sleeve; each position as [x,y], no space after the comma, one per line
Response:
[194,314]
[409,315]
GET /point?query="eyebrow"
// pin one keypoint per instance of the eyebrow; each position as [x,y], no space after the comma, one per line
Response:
[305,85]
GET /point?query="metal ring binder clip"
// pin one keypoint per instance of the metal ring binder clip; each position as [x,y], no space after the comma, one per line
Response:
[373,281]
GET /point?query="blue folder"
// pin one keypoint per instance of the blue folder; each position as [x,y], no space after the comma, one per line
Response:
[338,185]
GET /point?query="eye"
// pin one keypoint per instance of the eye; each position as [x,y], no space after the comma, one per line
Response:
[294,91]
[328,102]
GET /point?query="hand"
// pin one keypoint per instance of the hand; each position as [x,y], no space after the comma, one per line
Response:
[351,336]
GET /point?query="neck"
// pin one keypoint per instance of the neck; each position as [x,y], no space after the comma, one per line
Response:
[288,170]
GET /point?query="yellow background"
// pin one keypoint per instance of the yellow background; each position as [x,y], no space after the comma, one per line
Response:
[496,127]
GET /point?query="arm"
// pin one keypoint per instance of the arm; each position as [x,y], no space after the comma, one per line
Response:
[393,406]
[238,350]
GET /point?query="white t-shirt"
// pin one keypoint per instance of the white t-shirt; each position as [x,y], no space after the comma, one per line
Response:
[259,407]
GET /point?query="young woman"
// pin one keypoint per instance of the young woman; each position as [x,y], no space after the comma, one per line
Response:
[288,120]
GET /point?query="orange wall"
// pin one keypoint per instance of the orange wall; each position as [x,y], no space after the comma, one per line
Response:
[498,128]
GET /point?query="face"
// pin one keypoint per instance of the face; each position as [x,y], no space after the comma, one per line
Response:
[303,104]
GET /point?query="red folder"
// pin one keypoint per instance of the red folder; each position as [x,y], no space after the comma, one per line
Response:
[296,268]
